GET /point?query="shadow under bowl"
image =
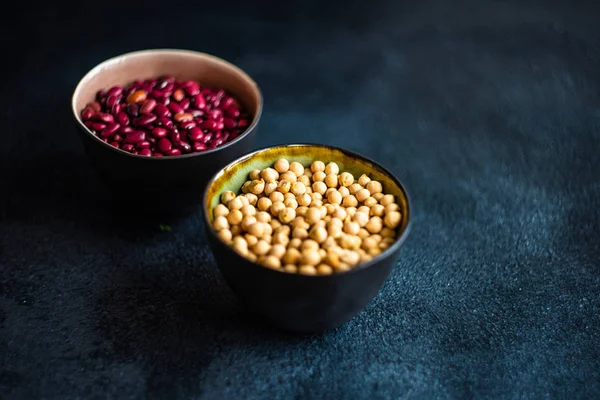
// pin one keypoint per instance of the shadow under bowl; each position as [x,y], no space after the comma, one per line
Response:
[294,302]
[165,186]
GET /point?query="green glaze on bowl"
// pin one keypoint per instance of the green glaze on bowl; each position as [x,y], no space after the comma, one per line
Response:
[235,174]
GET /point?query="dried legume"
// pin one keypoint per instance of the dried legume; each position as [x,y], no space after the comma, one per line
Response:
[309,221]
[170,117]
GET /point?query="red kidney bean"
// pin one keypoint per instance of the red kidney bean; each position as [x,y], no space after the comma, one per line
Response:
[147,88]
[209,124]
[189,117]
[216,143]
[87,113]
[159,132]
[214,114]
[173,152]
[163,145]
[167,123]
[185,147]
[195,134]
[115,109]
[198,146]
[196,113]
[185,84]
[232,112]
[129,90]
[122,118]
[175,136]
[229,123]
[207,138]
[187,125]
[161,111]
[94,105]
[165,101]
[162,84]
[127,147]
[115,91]
[199,102]
[161,94]
[103,117]
[111,101]
[98,126]
[135,137]
[133,110]
[148,106]
[192,89]
[175,108]
[185,104]
[146,119]
[219,94]
[110,130]
[169,88]
[228,102]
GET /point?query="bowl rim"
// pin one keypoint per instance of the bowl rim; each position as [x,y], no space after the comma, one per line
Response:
[118,58]
[361,266]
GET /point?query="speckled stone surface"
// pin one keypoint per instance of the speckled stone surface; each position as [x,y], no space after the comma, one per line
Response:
[488,111]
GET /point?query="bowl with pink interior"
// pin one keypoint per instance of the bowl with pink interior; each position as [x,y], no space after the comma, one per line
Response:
[157,124]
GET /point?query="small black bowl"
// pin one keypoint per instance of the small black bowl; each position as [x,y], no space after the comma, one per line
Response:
[167,186]
[297,302]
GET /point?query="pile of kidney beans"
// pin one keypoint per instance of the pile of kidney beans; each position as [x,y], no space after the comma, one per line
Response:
[165,117]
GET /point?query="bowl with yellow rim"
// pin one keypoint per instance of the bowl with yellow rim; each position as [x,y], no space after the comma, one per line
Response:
[296,302]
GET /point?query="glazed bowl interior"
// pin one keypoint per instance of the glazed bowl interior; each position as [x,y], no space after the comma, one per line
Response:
[235,174]
[183,65]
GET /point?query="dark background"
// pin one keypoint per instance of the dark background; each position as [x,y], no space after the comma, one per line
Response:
[489,111]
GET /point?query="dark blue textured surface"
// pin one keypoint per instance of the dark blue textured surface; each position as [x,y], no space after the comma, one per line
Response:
[489,111]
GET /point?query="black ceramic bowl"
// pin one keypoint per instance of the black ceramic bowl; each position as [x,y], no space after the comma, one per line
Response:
[167,185]
[298,302]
